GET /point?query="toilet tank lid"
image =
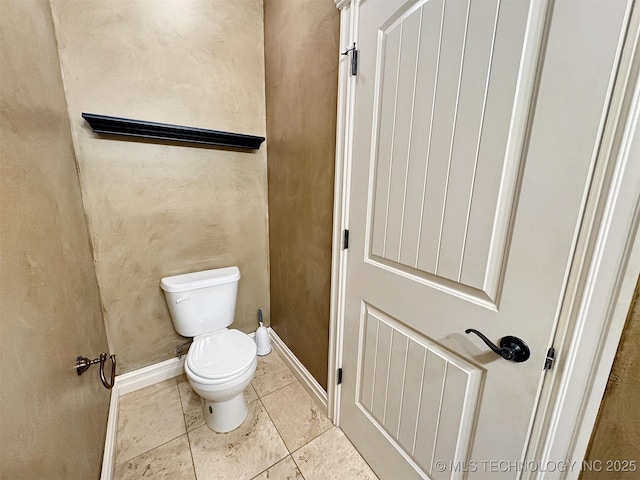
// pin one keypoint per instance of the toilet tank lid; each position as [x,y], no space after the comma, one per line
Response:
[196,280]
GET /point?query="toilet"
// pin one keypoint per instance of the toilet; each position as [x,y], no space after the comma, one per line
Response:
[221,362]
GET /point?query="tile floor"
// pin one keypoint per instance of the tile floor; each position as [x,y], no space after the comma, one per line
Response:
[162,434]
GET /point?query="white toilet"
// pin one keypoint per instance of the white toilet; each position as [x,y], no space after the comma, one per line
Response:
[221,362]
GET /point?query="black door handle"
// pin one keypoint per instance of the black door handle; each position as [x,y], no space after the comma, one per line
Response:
[511,348]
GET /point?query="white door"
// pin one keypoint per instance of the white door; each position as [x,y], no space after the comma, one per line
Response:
[476,129]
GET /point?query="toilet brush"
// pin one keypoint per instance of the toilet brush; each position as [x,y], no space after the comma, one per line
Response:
[262,337]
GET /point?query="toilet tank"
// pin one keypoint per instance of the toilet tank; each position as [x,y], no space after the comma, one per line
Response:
[201,302]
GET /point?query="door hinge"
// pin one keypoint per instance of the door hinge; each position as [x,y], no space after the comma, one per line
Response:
[345,242]
[354,58]
[339,376]
[551,355]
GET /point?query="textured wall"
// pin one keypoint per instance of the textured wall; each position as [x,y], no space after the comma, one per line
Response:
[616,435]
[156,210]
[52,422]
[301,57]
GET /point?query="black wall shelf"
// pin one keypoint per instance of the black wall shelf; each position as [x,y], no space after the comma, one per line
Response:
[174,133]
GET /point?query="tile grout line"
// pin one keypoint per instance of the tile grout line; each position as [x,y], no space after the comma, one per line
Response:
[290,453]
[282,459]
[277,389]
[123,398]
[277,430]
[276,427]
[279,435]
[301,447]
[160,444]
[347,439]
[186,428]
[295,380]
[151,449]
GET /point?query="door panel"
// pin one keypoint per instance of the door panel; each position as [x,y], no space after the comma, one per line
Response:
[472,156]
[419,395]
[441,138]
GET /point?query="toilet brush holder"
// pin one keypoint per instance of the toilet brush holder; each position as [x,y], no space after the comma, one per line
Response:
[263,342]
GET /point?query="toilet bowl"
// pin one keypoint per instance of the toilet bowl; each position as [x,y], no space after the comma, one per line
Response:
[221,362]
[219,367]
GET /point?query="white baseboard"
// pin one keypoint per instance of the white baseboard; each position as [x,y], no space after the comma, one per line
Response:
[147,376]
[301,373]
[109,454]
[127,383]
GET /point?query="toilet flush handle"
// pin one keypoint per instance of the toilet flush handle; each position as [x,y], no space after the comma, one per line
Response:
[182,299]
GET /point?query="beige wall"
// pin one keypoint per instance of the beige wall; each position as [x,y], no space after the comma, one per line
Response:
[52,422]
[156,210]
[301,45]
[616,435]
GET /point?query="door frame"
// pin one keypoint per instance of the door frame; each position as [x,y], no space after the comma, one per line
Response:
[605,268]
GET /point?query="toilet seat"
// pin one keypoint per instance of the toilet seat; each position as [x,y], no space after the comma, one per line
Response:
[221,355]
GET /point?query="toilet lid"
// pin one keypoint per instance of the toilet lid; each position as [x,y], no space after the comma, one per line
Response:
[221,354]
